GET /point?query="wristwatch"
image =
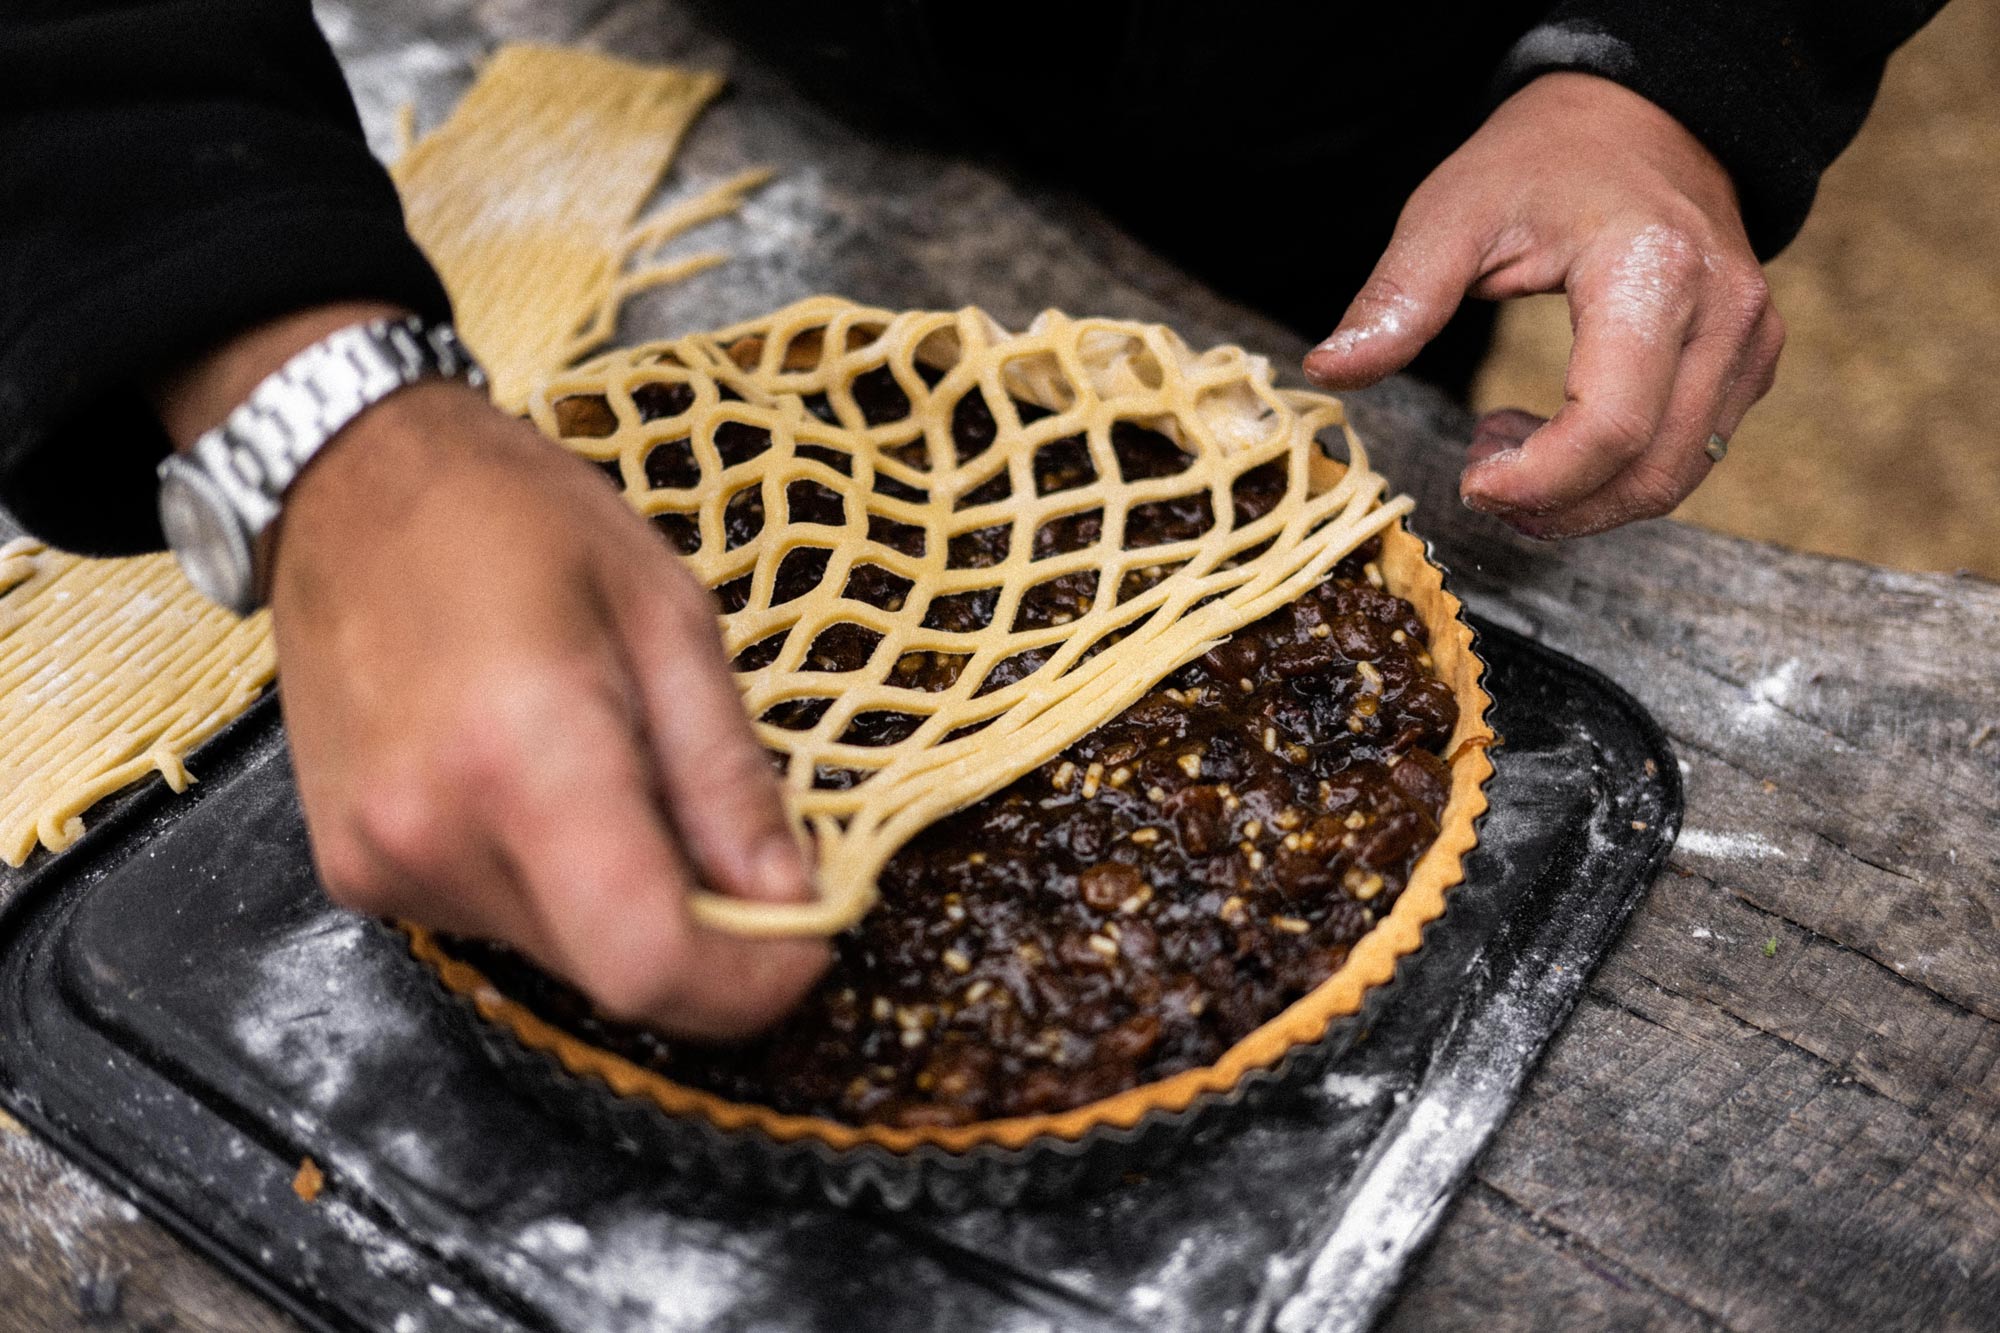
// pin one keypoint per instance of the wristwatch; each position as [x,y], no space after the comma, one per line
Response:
[220,496]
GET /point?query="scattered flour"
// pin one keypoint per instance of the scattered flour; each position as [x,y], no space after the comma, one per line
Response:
[1728,846]
[51,1201]
[1769,694]
[298,1019]
[1355,1090]
[642,1274]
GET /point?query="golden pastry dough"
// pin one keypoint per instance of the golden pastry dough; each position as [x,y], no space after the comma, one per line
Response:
[1220,406]
[524,201]
[109,670]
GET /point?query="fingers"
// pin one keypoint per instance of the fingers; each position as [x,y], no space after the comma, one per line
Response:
[1633,305]
[1723,375]
[1431,262]
[715,776]
[1496,432]
[612,891]
[1757,374]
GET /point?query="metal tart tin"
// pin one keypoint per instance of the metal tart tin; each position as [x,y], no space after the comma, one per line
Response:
[1045,1169]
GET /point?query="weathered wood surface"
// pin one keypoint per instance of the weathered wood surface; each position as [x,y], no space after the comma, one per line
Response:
[1779,1103]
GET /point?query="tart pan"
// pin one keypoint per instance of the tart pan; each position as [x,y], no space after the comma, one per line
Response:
[1028,1158]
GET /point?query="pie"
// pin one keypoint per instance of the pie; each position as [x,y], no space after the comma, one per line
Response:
[1135,737]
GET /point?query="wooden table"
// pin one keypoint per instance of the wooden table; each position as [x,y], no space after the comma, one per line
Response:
[1778,1105]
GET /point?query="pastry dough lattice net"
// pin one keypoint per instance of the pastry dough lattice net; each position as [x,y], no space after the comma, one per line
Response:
[815,446]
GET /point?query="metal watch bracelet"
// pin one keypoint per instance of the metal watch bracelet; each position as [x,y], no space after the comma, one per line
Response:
[217,499]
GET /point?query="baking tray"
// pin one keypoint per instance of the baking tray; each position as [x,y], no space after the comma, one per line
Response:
[182,1012]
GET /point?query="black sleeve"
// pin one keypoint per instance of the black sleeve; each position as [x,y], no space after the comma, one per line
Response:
[1776,89]
[171,171]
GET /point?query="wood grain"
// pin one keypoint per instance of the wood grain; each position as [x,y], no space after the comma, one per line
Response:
[1778,1104]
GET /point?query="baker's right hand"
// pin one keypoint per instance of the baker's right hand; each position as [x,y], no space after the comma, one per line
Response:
[510,716]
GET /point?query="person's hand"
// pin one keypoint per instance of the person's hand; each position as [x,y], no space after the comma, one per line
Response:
[510,715]
[1579,185]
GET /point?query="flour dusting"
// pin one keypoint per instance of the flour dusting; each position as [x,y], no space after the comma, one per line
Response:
[642,1270]
[1727,846]
[300,1019]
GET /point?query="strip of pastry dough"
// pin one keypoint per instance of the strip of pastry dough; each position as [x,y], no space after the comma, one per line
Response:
[109,670]
[860,802]
[525,200]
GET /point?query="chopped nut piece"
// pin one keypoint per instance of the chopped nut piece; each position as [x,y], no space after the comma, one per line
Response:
[1362,884]
[1103,945]
[1243,684]
[1137,900]
[1145,836]
[978,991]
[1356,819]
[1120,776]
[1093,777]
[1156,794]
[1253,828]
[1322,631]
[881,1008]
[1366,670]
[1292,842]
[1232,909]
[1399,637]
[1298,754]
[976,859]
[1064,775]
[913,1037]
[1291,925]
[956,961]
[1257,859]
[1190,764]
[1289,818]
[1374,573]
[1270,739]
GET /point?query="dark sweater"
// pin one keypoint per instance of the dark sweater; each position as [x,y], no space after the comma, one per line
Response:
[172,171]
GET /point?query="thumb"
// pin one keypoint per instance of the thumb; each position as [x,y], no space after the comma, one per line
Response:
[1416,287]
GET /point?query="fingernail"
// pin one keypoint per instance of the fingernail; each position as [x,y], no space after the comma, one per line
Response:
[781,871]
[1534,531]
[1485,504]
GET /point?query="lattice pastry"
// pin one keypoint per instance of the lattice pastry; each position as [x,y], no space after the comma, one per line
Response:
[916,624]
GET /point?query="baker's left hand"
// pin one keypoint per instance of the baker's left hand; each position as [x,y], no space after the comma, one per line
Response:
[1576,184]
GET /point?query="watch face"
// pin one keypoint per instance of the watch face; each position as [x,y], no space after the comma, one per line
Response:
[202,529]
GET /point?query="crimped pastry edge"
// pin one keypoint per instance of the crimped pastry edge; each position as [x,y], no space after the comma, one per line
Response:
[1372,963]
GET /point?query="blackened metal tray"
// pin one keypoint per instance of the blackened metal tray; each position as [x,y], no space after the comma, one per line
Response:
[180,1010]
